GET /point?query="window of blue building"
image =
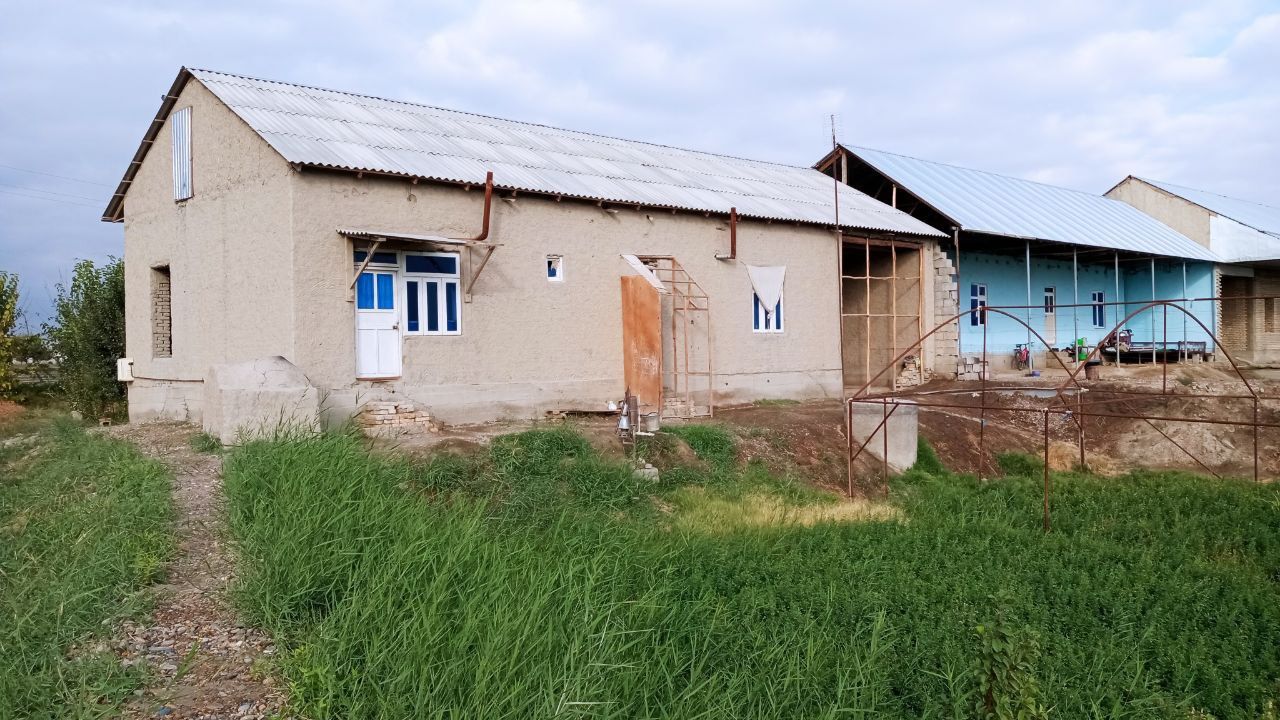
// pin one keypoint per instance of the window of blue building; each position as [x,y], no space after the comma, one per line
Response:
[978,299]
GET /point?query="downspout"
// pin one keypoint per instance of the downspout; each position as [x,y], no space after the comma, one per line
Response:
[733,235]
[488,205]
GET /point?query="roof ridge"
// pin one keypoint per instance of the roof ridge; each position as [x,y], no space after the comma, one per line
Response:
[984,172]
[1163,183]
[500,119]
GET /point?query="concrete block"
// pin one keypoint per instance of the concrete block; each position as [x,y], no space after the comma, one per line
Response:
[903,427]
[257,398]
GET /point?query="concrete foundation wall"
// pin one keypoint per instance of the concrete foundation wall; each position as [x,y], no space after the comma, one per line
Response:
[228,252]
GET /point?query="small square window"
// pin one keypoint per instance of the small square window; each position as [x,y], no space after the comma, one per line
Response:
[555,268]
[766,320]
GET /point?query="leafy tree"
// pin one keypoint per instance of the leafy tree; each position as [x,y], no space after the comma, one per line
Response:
[88,336]
[8,318]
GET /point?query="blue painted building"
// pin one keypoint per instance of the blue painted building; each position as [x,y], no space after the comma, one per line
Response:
[1036,250]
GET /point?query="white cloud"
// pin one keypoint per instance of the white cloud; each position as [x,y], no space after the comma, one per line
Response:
[1078,94]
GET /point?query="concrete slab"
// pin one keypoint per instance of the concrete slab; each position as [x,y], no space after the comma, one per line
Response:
[903,428]
[257,398]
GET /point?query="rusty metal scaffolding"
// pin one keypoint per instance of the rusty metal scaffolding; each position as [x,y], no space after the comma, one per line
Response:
[686,392]
[1068,400]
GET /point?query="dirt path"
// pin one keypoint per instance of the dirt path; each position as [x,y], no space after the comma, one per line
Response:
[205,663]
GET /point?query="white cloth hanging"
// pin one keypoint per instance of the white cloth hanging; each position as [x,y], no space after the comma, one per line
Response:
[767,283]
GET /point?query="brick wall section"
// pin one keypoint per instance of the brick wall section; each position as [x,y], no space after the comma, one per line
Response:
[161,313]
[946,347]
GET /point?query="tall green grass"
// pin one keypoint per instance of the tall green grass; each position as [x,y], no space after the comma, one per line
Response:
[84,522]
[538,580]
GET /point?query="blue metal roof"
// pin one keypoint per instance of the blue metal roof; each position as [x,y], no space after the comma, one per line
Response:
[1264,218]
[984,202]
[311,126]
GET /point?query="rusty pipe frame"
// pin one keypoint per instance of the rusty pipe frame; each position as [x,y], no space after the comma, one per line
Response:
[1082,408]
[488,209]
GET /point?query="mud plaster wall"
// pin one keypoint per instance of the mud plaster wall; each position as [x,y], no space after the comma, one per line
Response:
[1185,217]
[228,253]
[529,345]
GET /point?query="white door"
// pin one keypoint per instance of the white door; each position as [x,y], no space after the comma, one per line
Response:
[377,325]
[1051,316]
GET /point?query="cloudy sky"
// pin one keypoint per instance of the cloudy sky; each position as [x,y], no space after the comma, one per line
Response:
[1078,95]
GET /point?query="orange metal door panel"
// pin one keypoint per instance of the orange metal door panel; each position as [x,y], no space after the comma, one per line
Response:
[642,342]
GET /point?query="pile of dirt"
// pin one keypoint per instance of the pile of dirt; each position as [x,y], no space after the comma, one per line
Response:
[9,410]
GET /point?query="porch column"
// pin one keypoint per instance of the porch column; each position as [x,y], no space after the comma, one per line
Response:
[1028,311]
[1153,312]
[1075,302]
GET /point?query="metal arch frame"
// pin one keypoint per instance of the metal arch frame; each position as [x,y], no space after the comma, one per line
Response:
[1077,411]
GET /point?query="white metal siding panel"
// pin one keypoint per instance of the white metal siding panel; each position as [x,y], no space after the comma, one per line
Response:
[325,128]
[180,131]
[1256,215]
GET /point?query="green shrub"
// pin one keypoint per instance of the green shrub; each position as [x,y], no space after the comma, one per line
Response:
[1005,670]
[87,335]
[8,318]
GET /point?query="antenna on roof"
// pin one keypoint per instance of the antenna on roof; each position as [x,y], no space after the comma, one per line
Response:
[835,183]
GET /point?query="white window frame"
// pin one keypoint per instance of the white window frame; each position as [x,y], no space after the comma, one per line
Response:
[1099,308]
[443,280]
[559,267]
[1051,300]
[769,321]
[180,145]
[978,293]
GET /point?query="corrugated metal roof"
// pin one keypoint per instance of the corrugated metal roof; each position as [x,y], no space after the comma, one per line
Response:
[1256,215]
[998,205]
[326,128]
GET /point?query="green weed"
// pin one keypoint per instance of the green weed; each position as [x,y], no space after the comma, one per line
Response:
[83,524]
[537,580]
[205,443]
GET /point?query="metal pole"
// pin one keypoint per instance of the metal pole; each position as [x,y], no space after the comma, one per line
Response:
[1028,263]
[1122,312]
[1075,301]
[955,233]
[1046,471]
[1184,315]
[982,413]
[884,435]
[1153,311]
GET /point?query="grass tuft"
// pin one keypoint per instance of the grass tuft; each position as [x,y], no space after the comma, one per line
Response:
[84,523]
[205,443]
[537,579]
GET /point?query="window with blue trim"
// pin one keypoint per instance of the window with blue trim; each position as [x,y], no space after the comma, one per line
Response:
[433,304]
[379,258]
[431,264]
[375,291]
[766,321]
[978,301]
[1099,309]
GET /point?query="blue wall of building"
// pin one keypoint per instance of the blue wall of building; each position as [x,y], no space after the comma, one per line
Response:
[1005,278]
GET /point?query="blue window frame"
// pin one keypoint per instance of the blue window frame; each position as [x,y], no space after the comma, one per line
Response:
[435,264]
[764,321]
[978,301]
[434,307]
[412,319]
[375,291]
[379,258]
[1099,309]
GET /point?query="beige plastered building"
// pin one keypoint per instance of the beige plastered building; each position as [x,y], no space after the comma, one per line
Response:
[249,203]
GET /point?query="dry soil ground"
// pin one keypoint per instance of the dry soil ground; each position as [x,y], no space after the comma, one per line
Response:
[208,664]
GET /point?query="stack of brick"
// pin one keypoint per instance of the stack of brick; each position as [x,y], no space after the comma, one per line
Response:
[161,318]
[971,367]
[395,418]
[911,373]
[945,303]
